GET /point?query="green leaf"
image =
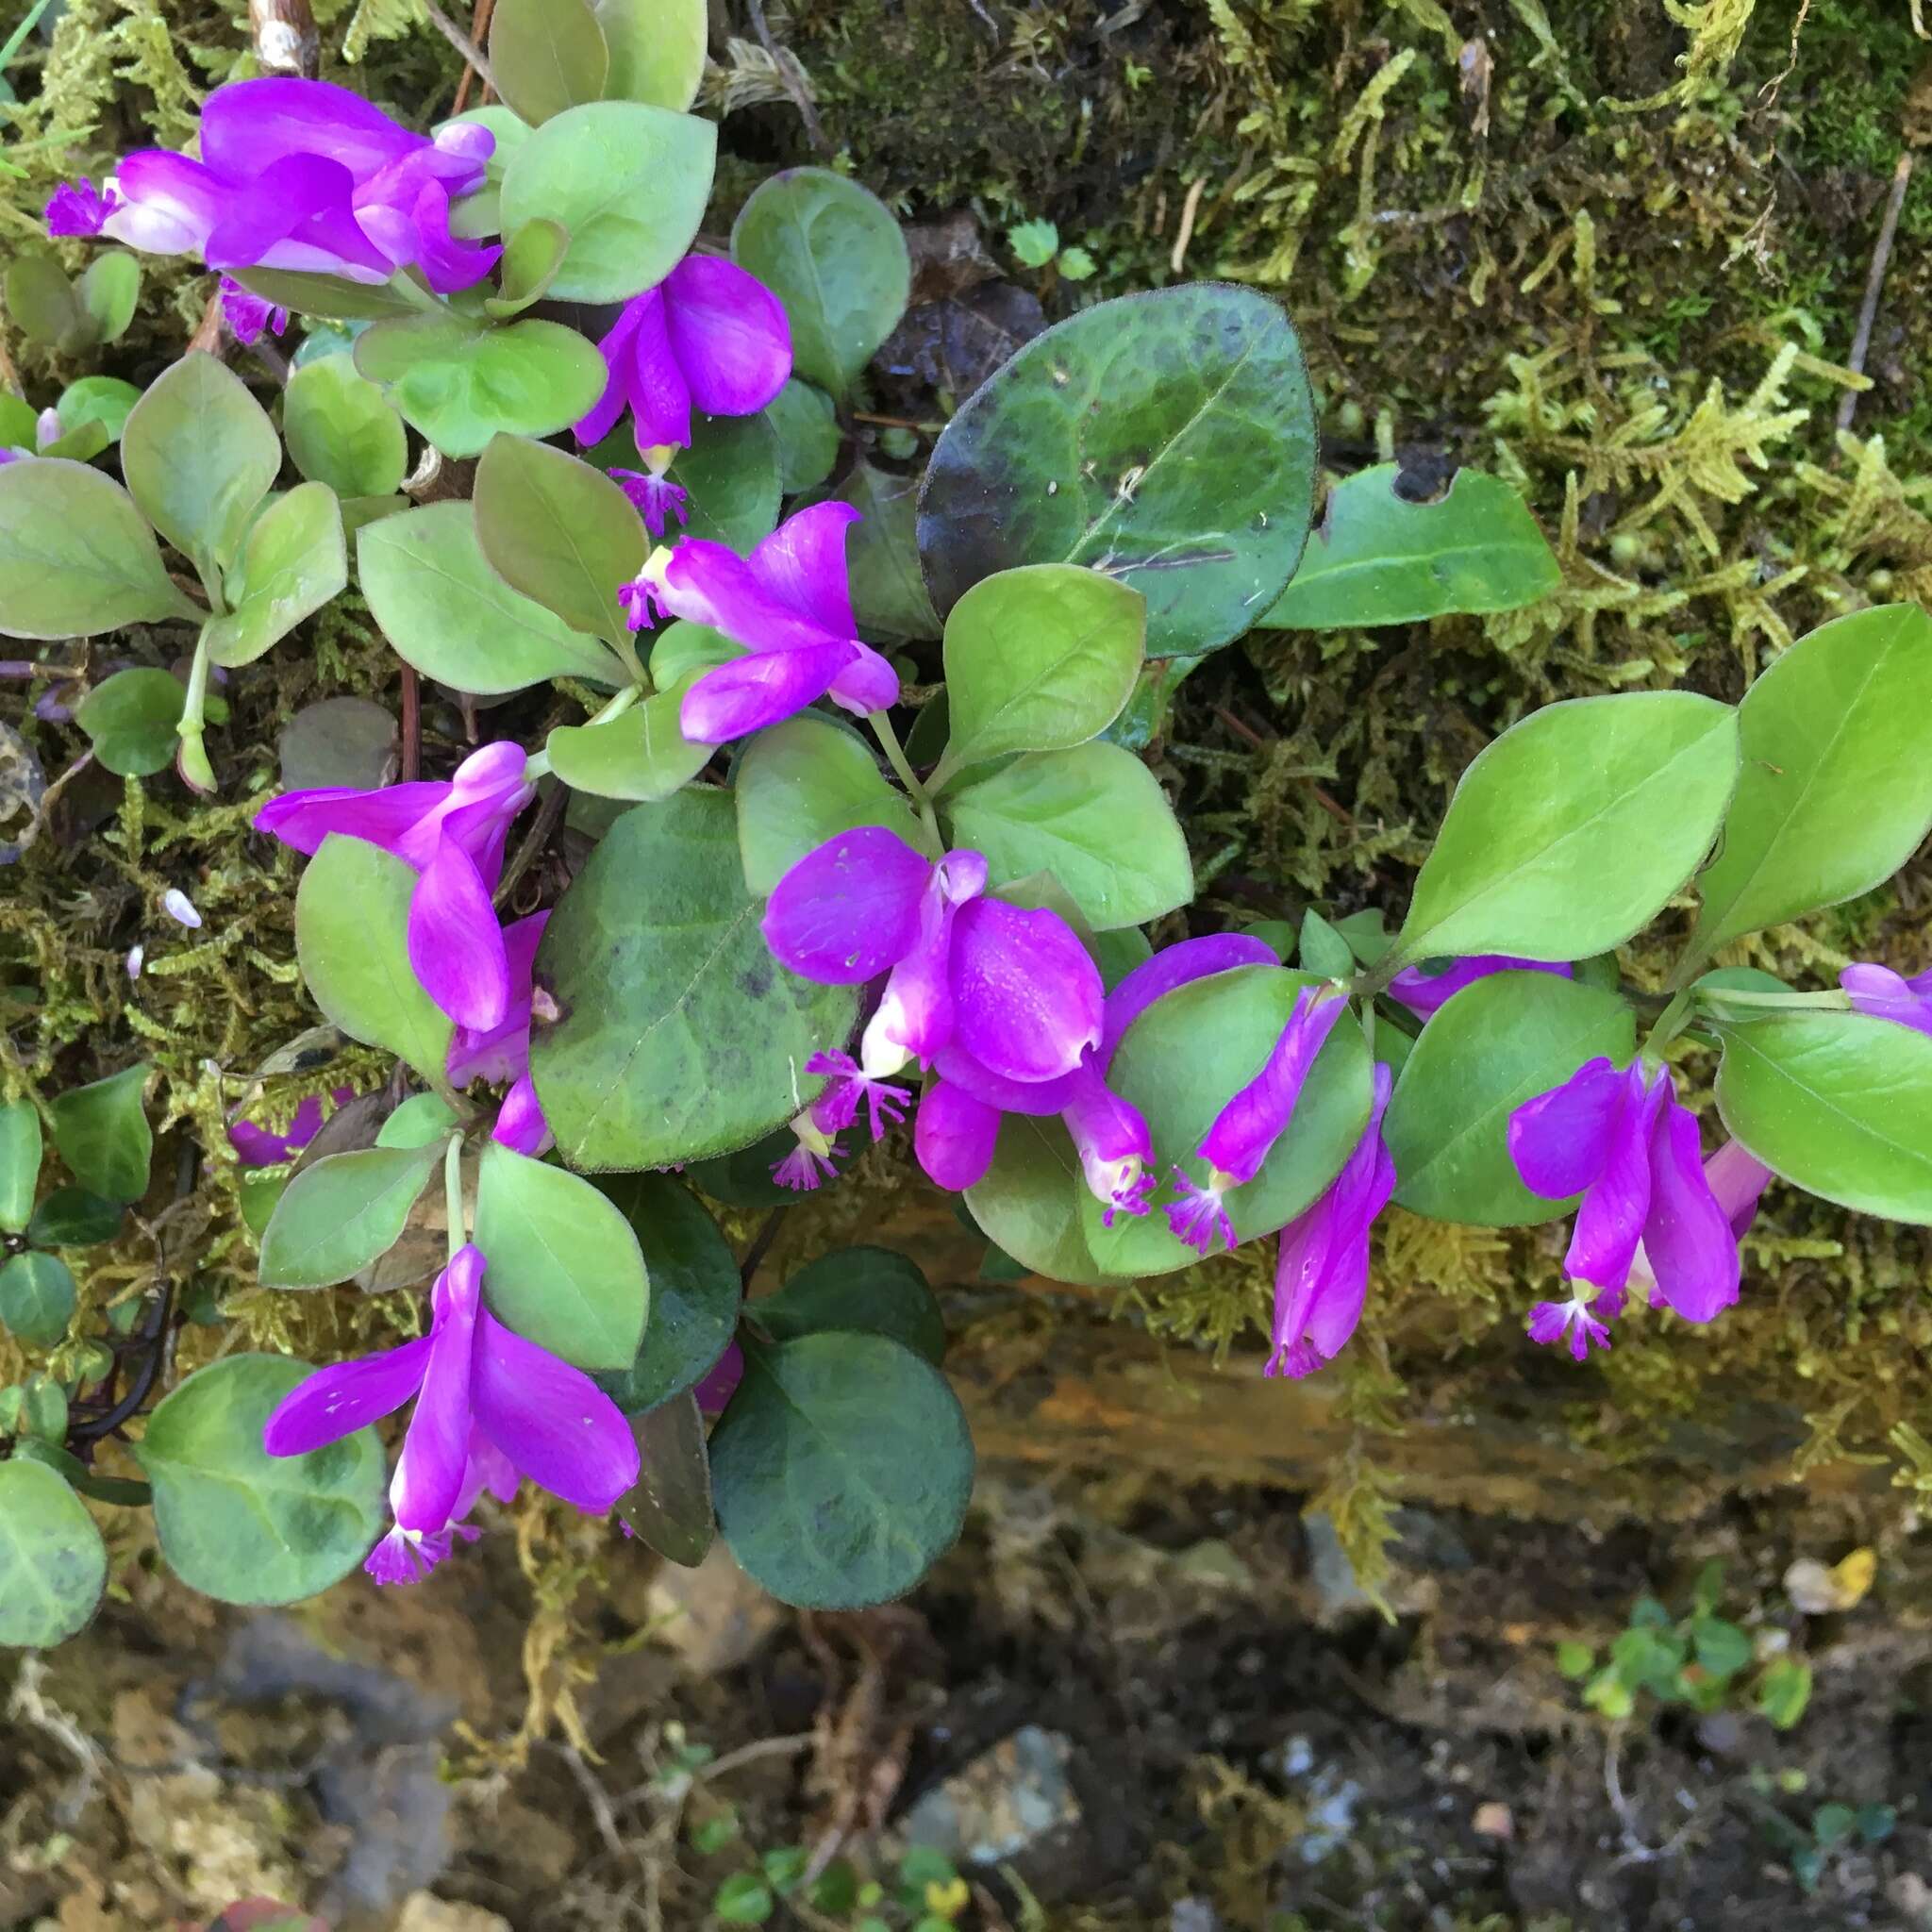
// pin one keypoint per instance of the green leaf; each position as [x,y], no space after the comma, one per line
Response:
[241,1525]
[294,562]
[802,419]
[108,292]
[103,1135]
[19,427]
[1377,558]
[670,1507]
[833,254]
[453,619]
[1319,948]
[1034,242]
[1166,438]
[857,1291]
[683,652]
[565,1269]
[20,1163]
[889,596]
[1500,1042]
[1569,833]
[1028,1204]
[743,1178]
[103,399]
[344,1212]
[342,431]
[657,50]
[459,383]
[842,1468]
[130,721]
[743,1899]
[328,296]
[629,182]
[37,1298]
[548,55]
[73,1217]
[807,780]
[199,455]
[1095,817]
[352,917]
[1076,265]
[1575,1659]
[681,1037]
[1180,1063]
[1038,659]
[420,1120]
[75,557]
[44,302]
[559,531]
[53,1564]
[694,1291]
[1836,789]
[1839,1102]
[1721,1648]
[531,258]
[1784,1691]
[731,473]
[640,755]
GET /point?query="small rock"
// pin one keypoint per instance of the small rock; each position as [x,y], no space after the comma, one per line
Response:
[714,1617]
[1006,1799]
[1913,1896]
[423,1912]
[1494,1820]
[1194,1915]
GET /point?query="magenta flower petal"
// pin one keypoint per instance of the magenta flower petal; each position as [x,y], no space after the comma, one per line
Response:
[428,1481]
[729,334]
[490,1471]
[720,1383]
[551,1420]
[1111,1138]
[1245,1130]
[1560,1139]
[503,1053]
[249,124]
[166,203]
[1172,966]
[78,207]
[734,700]
[954,1064]
[803,565]
[299,213]
[659,396]
[520,1122]
[386,817]
[249,316]
[455,945]
[915,1016]
[336,1401]
[1027,997]
[954,1136]
[1883,995]
[615,350]
[1687,1237]
[1425,992]
[447,262]
[1609,1221]
[849,908]
[709,584]
[867,684]
[1739,1179]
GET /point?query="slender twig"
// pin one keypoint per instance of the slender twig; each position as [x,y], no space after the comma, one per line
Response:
[760,1245]
[1190,208]
[1875,284]
[479,34]
[535,839]
[462,43]
[792,75]
[413,726]
[44,811]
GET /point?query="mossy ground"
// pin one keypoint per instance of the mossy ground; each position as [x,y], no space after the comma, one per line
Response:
[1637,313]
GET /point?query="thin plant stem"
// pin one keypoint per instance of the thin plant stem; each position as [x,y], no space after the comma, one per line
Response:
[895,756]
[453,1193]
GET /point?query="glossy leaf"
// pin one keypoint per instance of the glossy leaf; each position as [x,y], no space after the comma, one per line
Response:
[681,1037]
[629,182]
[1165,439]
[73,1217]
[103,399]
[670,1508]
[108,292]
[343,1213]
[459,384]
[1500,1042]
[531,258]
[1038,659]
[103,1135]
[20,1163]
[804,781]
[294,562]
[694,1291]
[241,1525]
[1376,558]
[1836,789]
[803,419]
[559,531]
[199,455]
[730,472]
[1029,1203]
[1095,817]
[841,1469]
[1571,831]
[453,619]
[1839,1102]
[37,1298]
[1181,1061]
[640,755]
[657,50]
[342,431]
[130,719]
[857,1291]
[53,1564]
[889,595]
[833,254]
[75,555]
[565,1269]
[352,914]
[548,55]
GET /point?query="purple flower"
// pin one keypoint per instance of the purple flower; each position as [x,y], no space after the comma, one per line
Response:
[1622,1141]
[1424,992]
[503,1052]
[837,1107]
[258,1147]
[1245,1130]
[453,833]
[657,499]
[708,337]
[296,175]
[813,1160]
[248,314]
[1321,1274]
[789,604]
[489,1406]
[720,1383]
[1885,996]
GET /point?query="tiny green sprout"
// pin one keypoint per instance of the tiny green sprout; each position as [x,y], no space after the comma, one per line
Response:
[743,1899]
[1136,76]
[1034,242]
[1076,264]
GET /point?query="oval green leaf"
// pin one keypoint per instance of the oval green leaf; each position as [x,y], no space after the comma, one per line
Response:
[547,54]
[640,755]
[20,1163]
[103,1135]
[331,297]
[130,721]
[889,596]
[103,399]
[803,419]
[670,1509]
[531,258]
[342,431]
[841,1469]
[73,1217]
[294,562]
[108,291]
[241,1525]
[1571,831]
[857,1291]
[1165,439]
[657,50]
[730,474]
[420,1120]
[343,1213]
[37,1298]
[53,1564]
